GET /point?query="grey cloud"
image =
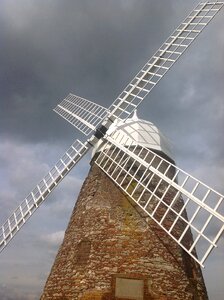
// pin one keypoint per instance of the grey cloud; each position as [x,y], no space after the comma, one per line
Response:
[82,47]
[53,240]
[93,48]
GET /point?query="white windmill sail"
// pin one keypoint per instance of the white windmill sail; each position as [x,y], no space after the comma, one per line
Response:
[37,196]
[151,182]
[164,58]
[81,113]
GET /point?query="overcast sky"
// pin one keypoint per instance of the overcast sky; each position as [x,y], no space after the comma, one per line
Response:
[93,48]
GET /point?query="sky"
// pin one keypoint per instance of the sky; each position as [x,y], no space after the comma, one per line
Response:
[49,48]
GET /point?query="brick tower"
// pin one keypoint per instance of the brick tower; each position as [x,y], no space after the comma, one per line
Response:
[110,252]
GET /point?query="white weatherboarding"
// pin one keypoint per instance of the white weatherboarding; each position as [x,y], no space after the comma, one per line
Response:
[132,165]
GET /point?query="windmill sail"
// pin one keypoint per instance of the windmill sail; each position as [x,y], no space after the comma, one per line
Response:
[164,58]
[151,182]
[37,196]
[81,113]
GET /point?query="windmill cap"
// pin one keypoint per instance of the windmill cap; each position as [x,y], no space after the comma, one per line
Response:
[142,132]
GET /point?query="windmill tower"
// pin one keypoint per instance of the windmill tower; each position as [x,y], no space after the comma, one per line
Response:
[113,251]
[130,236]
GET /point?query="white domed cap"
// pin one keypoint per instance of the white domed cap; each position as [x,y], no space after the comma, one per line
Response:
[142,132]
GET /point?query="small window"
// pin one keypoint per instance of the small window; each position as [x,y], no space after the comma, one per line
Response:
[126,288]
[83,251]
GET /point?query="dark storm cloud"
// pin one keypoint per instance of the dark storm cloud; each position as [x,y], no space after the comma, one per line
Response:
[93,49]
[52,48]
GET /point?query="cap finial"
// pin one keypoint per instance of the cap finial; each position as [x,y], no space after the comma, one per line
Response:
[135,117]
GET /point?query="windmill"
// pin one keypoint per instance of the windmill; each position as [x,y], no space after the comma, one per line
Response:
[93,119]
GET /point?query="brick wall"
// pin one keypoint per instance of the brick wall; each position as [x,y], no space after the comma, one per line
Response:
[107,238]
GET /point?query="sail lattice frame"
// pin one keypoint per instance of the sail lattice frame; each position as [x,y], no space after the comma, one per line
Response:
[164,58]
[85,115]
[37,196]
[165,193]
